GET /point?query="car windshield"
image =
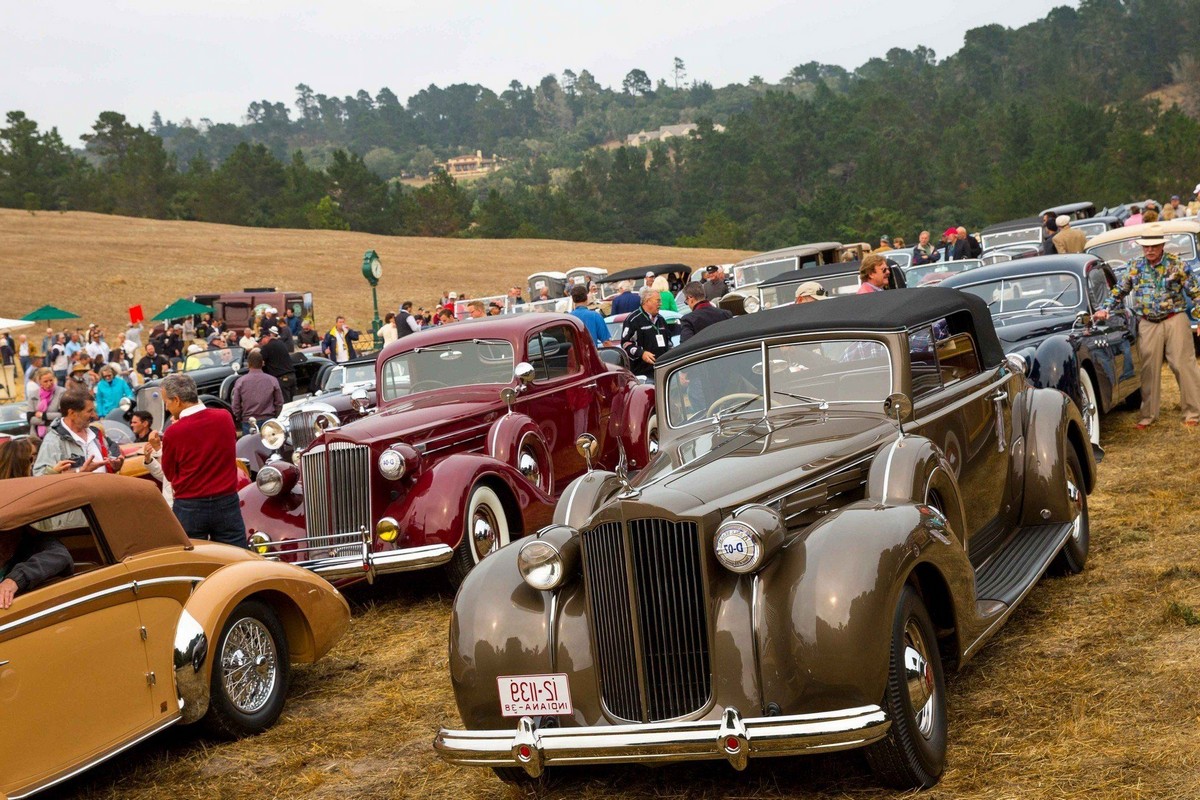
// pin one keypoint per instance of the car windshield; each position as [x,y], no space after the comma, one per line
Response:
[1018,236]
[472,362]
[927,274]
[1029,293]
[1119,253]
[345,374]
[228,357]
[785,293]
[12,412]
[1090,229]
[806,373]
[757,273]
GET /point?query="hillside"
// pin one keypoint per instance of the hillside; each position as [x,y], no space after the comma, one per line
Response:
[98,265]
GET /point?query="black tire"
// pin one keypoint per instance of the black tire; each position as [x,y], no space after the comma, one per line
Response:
[531,787]
[252,631]
[913,754]
[1133,400]
[483,508]
[1073,556]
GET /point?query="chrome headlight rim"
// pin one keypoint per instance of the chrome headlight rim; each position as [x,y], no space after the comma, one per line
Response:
[269,480]
[259,541]
[387,529]
[391,465]
[751,305]
[273,434]
[739,546]
[541,565]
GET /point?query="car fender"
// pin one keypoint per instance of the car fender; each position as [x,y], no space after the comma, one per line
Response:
[583,496]
[530,632]
[913,469]
[314,617]
[839,584]
[432,509]
[631,424]
[508,434]
[1052,424]
[1056,366]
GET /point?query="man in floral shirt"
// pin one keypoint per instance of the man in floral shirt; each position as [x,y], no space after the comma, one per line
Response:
[1159,285]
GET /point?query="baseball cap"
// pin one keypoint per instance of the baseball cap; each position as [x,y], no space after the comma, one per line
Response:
[711,268]
[453,295]
[884,238]
[1062,220]
[273,331]
[811,289]
[650,275]
[193,349]
[951,232]
[1174,197]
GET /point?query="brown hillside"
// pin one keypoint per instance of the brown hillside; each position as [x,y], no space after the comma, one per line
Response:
[98,265]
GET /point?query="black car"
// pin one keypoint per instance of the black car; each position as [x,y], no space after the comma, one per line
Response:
[1043,310]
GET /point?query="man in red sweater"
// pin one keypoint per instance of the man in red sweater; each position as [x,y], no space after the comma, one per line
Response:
[200,461]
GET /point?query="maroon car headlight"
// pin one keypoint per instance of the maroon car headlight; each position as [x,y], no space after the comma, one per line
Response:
[546,559]
[749,538]
[277,477]
[397,461]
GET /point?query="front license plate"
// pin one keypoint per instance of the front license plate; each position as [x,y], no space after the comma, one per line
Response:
[534,695]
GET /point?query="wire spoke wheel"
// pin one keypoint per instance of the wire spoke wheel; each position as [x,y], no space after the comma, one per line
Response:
[249,665]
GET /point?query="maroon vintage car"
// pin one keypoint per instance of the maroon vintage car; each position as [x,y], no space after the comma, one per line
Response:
[472,445]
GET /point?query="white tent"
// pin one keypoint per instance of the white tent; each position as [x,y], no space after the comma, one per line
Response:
[14,324]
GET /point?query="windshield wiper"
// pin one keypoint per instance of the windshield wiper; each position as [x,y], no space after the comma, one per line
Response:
[437,348]
[738,407]
[801,397]
[1055,299]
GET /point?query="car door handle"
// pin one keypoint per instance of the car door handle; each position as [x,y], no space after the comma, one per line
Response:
[999,399]
[592,385]
[4,663]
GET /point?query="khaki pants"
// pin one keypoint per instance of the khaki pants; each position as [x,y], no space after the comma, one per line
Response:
[1171,338]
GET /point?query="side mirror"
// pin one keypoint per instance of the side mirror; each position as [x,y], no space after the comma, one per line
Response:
[588,447]
[507,396]
[525,373]
[899,407]
[1083,320]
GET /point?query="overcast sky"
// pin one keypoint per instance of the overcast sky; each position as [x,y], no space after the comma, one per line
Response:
[64,62]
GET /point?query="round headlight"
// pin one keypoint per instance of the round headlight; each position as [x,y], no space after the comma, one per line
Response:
[273,434]
[387,529]
[269,481]
[391,465]
[738,545]
[259,542]
[541,564]
[751,306]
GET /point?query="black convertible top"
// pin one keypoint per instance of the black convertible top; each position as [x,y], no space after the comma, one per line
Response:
[634,273]
[890,311]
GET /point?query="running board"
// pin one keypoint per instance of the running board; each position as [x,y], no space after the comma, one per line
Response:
[1011,572]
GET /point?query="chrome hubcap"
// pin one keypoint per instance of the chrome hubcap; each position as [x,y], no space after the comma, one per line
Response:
[918,678]
[1076,498]
[527,463]
[249,667]
[484,531]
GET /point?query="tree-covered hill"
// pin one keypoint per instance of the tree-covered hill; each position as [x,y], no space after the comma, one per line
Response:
[1015,120]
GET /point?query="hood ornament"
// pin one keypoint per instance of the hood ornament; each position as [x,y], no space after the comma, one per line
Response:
[628,492]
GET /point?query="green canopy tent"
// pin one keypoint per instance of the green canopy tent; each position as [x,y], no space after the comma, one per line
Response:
[48,313]
[182,308]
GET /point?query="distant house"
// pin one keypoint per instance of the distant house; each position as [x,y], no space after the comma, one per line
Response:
[472,166]
[665,132]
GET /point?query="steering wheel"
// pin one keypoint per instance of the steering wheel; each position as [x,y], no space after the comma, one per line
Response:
[730,399]
[1045,303]
[425,385]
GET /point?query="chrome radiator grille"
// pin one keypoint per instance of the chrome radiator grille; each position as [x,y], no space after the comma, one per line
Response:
[337,490]
[665,614]
[301,428]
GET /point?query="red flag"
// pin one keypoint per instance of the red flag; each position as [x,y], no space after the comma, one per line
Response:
[136,315]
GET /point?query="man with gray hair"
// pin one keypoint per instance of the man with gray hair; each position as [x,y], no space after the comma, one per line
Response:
[199,459]
[644,335]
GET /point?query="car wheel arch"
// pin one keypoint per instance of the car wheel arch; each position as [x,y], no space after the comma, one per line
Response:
[935,592]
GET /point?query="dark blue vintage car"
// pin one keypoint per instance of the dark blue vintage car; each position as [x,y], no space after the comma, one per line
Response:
[1043,309]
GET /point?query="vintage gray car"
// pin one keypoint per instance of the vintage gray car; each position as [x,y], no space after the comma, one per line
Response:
[850,496]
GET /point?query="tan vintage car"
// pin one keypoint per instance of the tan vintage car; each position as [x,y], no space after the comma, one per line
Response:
[150,629]
[849,496]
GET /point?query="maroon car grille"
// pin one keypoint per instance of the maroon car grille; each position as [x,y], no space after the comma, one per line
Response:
[664,617]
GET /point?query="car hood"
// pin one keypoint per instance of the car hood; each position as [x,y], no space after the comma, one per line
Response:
[1029,329]
[426,414]
[744,460]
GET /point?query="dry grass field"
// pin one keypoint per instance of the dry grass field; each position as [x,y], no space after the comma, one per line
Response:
[1089,692]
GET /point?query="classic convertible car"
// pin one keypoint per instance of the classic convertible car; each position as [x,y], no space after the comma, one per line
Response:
[850,495]
[472,444]
[150,629]
[1042,308]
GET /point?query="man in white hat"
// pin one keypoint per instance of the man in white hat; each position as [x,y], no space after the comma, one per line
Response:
[1159,285]
[810,292]
[1068,240]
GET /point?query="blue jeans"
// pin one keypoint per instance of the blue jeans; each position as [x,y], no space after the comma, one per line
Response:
[217,518]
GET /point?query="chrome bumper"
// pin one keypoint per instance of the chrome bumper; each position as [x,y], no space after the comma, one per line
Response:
[731,738]
[361,561]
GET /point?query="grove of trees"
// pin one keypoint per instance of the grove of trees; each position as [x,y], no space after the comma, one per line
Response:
[1060,110]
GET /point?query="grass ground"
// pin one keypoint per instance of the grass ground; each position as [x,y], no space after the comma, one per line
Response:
[1086,693]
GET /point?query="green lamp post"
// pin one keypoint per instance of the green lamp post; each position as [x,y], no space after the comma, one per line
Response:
[371,270]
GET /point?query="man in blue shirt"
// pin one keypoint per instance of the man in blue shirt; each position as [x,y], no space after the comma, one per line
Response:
[591,319]
[626,302]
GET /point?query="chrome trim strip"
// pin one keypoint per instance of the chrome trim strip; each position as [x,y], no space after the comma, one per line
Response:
[823,477]
[410,558]
[666,741]
[98,760]
[87,598]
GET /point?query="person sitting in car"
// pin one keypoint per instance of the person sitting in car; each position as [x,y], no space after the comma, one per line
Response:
[27,561]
